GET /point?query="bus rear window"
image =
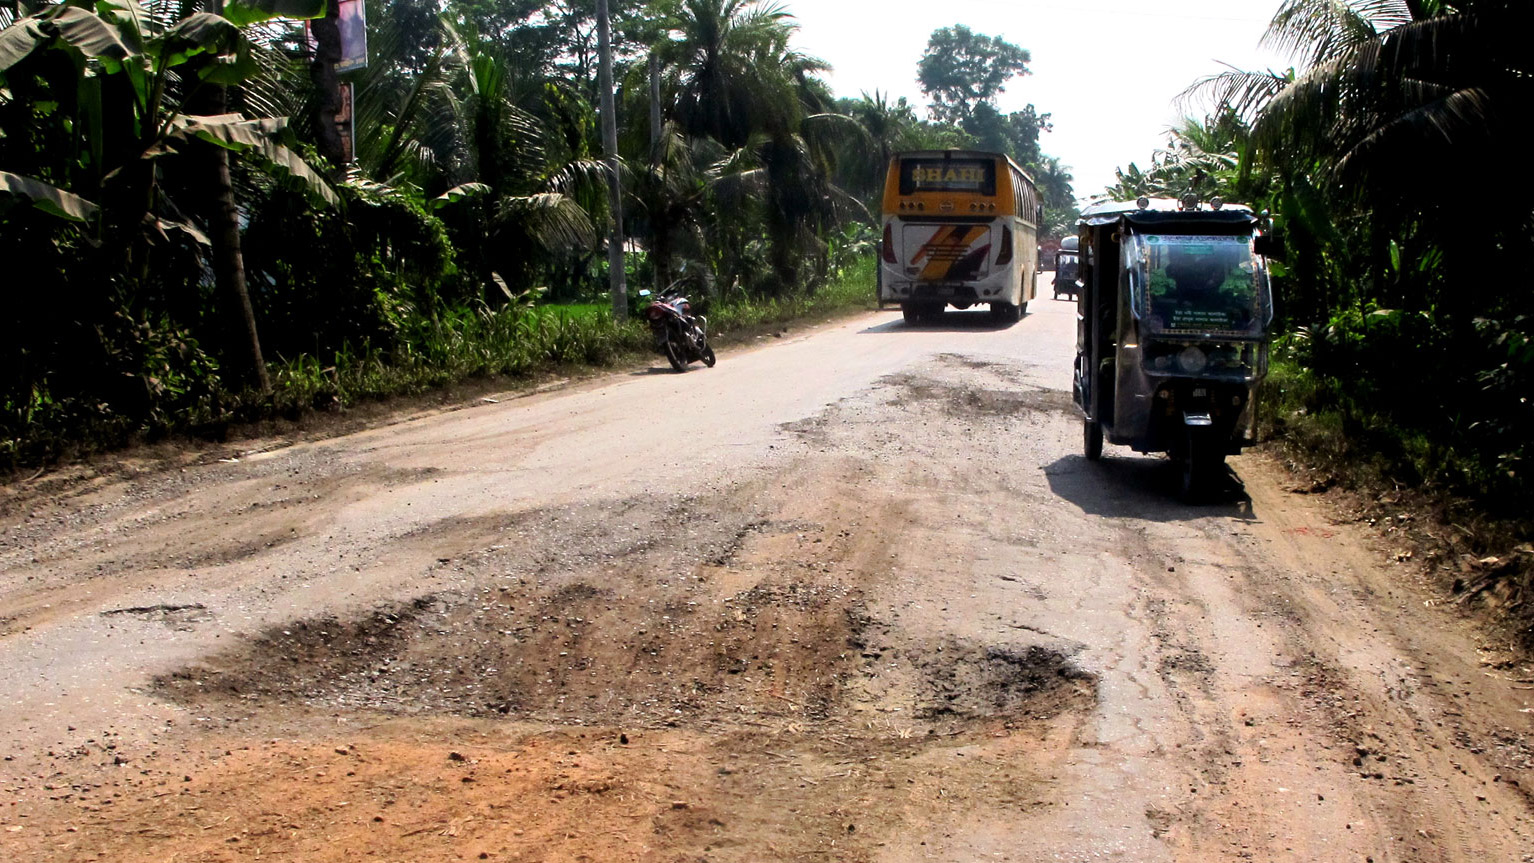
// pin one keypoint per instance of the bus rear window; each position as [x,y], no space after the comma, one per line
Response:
[977,176]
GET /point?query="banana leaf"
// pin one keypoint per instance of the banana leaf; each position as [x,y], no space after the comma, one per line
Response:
[458,193]
[48,198]
[243,12]
[263,138]
[85,31]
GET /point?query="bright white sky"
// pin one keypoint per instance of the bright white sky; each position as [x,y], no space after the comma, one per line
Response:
[1108,70]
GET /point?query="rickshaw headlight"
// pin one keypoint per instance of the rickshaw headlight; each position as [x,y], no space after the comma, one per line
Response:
[1192,360]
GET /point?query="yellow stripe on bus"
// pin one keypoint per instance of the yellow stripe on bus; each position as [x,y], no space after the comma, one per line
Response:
[945,249]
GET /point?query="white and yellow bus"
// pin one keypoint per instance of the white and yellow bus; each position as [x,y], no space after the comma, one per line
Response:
[960,228]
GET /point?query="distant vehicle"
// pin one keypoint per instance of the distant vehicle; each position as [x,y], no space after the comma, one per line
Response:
[1048,247]
[960,229]
[1067,261]
[1172,337]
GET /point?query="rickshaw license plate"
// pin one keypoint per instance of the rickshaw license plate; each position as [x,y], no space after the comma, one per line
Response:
[1200,393]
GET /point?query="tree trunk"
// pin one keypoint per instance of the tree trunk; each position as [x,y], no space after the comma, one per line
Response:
[229,268]
[223,220]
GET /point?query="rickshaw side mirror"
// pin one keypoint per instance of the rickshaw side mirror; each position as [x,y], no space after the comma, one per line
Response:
[1269,246]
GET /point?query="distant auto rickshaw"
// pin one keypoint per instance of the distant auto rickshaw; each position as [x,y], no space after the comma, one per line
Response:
[1066,267]
[1172,330]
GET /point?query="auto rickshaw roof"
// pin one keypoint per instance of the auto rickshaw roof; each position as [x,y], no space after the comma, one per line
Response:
[1164,211]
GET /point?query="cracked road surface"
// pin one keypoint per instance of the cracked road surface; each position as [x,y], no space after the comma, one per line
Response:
[853,595]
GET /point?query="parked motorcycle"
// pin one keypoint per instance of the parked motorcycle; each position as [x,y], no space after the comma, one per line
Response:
[679,334]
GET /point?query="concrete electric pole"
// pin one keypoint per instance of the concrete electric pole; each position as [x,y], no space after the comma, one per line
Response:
[614,183]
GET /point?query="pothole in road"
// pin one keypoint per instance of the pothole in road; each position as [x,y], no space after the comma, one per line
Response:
[960,400]
[789,652]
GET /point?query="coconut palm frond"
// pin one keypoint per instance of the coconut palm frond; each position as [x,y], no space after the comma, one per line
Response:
[1443,125]
[1313,31]
[1247,93]
[847,205]
[842,121]
[736,186]
[1310,104]
[578,176]
[740,160]
[399,136]
[553,221]
[270,92]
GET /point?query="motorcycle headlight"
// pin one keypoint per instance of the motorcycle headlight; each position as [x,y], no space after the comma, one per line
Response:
[1192,360]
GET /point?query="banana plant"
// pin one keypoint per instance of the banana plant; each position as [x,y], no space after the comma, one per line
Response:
[119,54]
[100,98]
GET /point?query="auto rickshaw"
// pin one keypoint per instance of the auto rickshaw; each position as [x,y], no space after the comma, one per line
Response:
[1172,330]
[1066,267]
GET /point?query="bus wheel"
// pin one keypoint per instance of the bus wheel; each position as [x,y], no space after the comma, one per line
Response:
[912,313]
[1006,313]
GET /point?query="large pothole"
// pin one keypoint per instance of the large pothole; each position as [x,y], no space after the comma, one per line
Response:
[584,654]
[744,605]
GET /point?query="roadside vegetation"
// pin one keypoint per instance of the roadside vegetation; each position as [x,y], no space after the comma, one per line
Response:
[191,244]
[1405,362]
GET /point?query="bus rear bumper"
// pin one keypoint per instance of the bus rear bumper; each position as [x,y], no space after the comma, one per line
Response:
[987,291]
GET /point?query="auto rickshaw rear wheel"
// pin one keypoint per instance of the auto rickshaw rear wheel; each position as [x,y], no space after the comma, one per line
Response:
[1200,462]
[1092,439]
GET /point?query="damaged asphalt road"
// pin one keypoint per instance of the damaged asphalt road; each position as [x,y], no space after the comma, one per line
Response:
[852,596]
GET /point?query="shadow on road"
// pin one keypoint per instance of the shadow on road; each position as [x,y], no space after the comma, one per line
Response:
[968,321]
[1142,487]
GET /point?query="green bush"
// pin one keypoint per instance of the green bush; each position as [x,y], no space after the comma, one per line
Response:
[1407,399]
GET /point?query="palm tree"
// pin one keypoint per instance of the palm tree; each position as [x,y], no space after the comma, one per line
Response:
[484,142]
[730,81]
[740,83]
[1388,89]
[884,128]
[1059,197]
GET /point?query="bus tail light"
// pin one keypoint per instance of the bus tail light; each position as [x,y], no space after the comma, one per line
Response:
[888,245]
[1005,255]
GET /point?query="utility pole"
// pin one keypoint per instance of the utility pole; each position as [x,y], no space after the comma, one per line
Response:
[660,245]
[614,183]
[327,86]
[655,127]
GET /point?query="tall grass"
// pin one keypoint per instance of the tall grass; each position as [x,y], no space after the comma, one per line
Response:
[522,341]
[853,288]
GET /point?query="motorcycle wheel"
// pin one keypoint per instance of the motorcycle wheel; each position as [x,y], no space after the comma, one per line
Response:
[674,355]
[707,356]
